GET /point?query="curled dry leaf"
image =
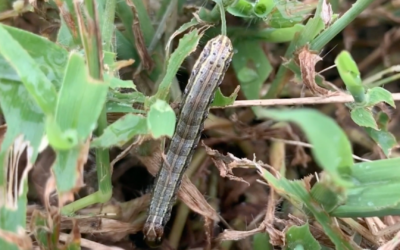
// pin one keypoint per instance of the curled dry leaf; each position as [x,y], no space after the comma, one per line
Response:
[225,164]
[326,12]
[238,235]
[67,17]
[122,64]
[145,58]
[75,236]
[307,60]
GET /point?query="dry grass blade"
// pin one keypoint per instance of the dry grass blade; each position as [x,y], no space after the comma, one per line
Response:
[146,61]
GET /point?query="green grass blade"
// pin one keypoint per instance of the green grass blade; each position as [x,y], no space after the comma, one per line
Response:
[187,44]
[333,153]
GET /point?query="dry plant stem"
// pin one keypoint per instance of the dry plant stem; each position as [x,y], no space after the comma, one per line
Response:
[389,230]
[298,143]
[392,244]
[298,101]
[89,244]
[359,229]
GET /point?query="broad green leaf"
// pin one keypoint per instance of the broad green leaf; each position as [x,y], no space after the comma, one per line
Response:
[34,80]
[376,172]
[65,168]
[281,35]
[121,131]
[241,8]
[81,99]
[118,83]
[118,102]
[288,13]
[263,7]
[371,200]
[126,97]
[251,66]
[375,191]
[161,119]
[384,139]
[301,236]
[377,95]
[350,75]
[261,242]
[363,117]
[64,36]
[119,107]
[331,148]
[247,74]
[21,111]
[221,101]
[80,102]
[58,139]
[50,57]
[328,194]
[23,115]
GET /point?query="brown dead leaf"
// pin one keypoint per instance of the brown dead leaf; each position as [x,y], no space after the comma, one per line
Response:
[20,239]
[224,164]
[88,244]
[228,234]
[307,61]
[307,182]
[122,64]
[3,130]
[67,17]
[146,60]
[326,12]
[131,209]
